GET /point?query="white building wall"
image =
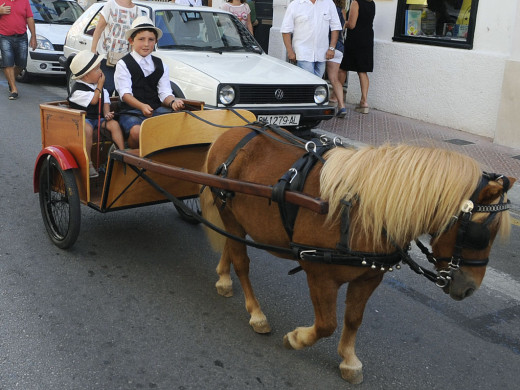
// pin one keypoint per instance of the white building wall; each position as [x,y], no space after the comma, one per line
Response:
[453,87]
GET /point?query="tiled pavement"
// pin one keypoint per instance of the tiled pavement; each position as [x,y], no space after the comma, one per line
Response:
[378,127]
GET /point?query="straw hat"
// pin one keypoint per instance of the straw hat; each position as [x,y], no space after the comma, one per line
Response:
[84,62]
[140,23]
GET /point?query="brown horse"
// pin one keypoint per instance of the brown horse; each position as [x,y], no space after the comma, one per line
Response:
[397,193]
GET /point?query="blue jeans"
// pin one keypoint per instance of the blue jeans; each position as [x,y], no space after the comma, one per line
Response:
[318,68]
[128,121]
[14,50]
[108,71]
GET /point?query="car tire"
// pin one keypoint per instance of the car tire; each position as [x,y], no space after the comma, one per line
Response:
[70,82]
[24,76]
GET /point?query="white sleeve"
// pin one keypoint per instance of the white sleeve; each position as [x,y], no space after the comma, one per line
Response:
[122,79]
[288,20]
[164,88]
[335,24]
[82,98]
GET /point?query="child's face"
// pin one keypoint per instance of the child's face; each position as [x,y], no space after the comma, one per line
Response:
[143,42]
[93,76]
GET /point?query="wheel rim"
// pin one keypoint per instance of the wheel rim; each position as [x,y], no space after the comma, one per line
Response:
[57,205]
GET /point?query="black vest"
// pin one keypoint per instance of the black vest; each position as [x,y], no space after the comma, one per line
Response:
[144,88]
[92,109]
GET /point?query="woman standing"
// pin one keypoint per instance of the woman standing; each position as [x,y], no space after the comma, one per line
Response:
[359,46]
[115,19]
[336,75]
[241,10]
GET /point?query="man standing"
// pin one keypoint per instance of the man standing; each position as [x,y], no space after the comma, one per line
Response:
[14,20]
[309,22]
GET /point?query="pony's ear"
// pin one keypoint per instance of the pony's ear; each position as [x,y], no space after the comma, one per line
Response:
[494,189]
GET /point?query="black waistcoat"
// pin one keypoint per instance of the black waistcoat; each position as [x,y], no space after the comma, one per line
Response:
[144,88]
[92,109]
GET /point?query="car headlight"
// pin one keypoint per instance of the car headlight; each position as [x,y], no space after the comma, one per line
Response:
[226,95]
[320,94]
[43,43]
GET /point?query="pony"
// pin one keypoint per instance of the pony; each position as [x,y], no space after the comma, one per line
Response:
[391,196]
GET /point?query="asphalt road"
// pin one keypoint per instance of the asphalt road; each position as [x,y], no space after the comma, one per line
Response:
[133,305]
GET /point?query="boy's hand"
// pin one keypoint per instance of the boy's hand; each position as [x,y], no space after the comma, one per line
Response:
[177,105]
[101,81]
[147,110]
[109,116]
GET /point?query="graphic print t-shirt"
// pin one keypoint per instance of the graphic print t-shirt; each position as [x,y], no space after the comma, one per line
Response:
[240,11]
[119,20]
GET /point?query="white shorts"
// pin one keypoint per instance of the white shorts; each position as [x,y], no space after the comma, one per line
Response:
[338,56]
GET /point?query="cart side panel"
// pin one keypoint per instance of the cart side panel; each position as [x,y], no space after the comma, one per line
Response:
[180,128]
[62,126]
[140,192]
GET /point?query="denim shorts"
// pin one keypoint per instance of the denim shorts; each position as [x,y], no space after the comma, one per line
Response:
[318,68]
[94,122]
[128,121]
[14,50]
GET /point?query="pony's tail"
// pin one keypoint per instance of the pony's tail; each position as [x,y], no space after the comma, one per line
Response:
[211,214]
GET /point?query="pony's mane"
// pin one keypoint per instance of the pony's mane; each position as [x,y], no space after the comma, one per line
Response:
[405,190]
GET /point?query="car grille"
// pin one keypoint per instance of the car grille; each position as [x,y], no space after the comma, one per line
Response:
[277,94]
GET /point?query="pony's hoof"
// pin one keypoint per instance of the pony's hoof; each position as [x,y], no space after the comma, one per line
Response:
[352,375]
[286,343]
[260,326]
[224,290]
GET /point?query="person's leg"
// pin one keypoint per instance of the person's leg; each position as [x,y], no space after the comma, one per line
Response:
[19,47]
[7,52]
[364,82]
[116,133]
[319,68]
[89,130]
[337,87]
[108,71]
[133,138]
[306,65]
[9,75]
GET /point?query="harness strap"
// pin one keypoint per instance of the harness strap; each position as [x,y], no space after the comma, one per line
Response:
[294,180]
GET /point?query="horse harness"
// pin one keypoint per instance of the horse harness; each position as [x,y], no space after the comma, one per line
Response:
[294,180]
[470,234]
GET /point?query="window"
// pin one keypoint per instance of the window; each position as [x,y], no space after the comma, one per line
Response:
[436,22]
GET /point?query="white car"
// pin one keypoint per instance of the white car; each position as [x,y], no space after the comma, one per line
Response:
[213,58]
[53,19]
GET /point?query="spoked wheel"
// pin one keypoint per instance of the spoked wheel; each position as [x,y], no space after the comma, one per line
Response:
[193,204]
[59,203]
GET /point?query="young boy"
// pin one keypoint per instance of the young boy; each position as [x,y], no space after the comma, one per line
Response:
[85,95]
[142,80]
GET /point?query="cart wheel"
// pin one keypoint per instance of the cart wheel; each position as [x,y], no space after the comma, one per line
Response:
[193,204]
[59,203]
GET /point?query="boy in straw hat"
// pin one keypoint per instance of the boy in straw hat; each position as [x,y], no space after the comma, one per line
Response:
[142,80]
[86,95]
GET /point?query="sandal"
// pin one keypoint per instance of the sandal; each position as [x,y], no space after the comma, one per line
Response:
[362,110]
[341,113]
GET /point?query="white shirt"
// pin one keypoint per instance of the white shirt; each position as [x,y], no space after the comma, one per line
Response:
[194,3]
[123,78]
[310,24]
[83,98]
[119,20]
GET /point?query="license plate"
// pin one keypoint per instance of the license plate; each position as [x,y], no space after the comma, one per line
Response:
[280,120]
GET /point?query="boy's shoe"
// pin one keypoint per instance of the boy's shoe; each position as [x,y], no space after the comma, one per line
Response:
[342,112]
[13,96]
[92,171]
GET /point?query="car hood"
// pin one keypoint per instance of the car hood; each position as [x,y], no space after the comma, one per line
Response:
[53,32]
[237,68]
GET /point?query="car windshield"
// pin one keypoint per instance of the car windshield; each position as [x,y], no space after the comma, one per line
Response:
[203,31]
[55,11]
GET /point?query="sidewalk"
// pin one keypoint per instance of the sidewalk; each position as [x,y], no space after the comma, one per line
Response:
[378,127]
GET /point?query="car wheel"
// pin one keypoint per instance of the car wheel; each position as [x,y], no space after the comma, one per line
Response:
[24,76]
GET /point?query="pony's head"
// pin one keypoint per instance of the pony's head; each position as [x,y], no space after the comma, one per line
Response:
[462,249]
[399,193]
